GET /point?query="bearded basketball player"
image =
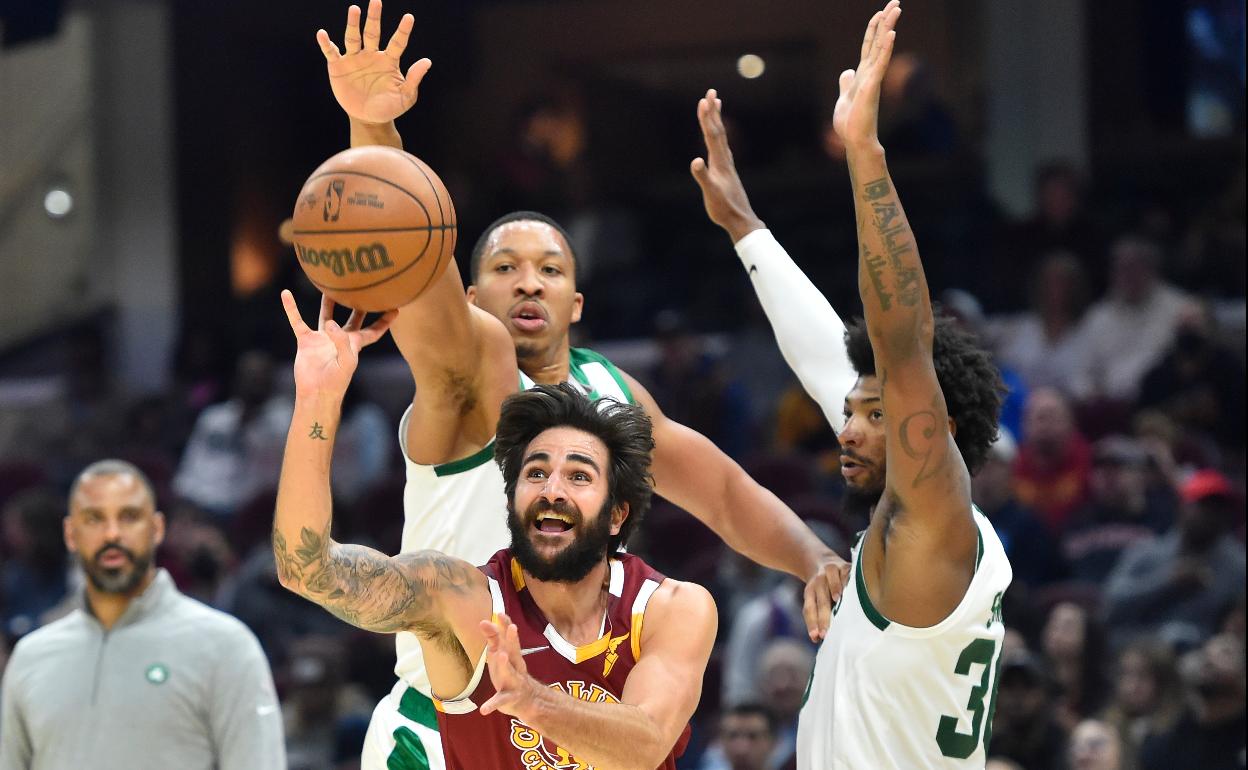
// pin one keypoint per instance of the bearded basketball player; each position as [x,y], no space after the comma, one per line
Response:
[468,350]
[594,659]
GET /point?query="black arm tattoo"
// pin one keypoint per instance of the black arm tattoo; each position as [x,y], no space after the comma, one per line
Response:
[893,229]
[922,438]
[367,588]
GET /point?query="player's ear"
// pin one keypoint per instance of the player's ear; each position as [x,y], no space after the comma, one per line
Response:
[578,304]
[471,294]
[67,528]
[158,528]
[619,514]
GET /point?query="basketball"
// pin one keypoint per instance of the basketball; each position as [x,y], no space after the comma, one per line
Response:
[373,226]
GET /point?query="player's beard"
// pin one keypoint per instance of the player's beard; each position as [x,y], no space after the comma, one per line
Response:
[860,501]
[587,549]
[116,580]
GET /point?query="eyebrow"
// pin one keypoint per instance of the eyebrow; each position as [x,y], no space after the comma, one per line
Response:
[580,458]
[508,251]
[866,400]
[573,456]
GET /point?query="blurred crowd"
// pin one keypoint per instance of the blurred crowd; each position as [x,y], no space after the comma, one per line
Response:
[1117,486]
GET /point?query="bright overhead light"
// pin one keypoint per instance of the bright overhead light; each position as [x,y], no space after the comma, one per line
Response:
[751,66]
[58,203]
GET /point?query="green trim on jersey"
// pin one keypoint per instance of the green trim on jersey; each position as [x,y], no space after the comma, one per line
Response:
[468,463]
[578,357]
[417,707]
[874,615]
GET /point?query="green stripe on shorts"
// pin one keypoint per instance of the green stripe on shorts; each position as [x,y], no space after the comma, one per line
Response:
[409,752]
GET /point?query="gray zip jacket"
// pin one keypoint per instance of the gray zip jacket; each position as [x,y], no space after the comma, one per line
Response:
[173,684]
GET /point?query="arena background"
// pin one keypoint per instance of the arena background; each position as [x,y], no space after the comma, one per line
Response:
[1049,155]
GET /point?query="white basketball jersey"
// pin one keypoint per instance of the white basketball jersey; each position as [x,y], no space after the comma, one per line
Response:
[460,508]
[884,695]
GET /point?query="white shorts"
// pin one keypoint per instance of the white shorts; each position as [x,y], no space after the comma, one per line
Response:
[403,733]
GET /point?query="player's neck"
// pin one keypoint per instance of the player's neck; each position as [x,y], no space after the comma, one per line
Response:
[109,607]
[574,609]
[549,366]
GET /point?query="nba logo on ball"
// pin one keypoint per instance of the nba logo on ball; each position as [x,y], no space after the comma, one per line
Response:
[373,228]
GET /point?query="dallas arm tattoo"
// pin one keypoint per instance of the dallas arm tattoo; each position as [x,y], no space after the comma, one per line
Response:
[894,231]
[365,587]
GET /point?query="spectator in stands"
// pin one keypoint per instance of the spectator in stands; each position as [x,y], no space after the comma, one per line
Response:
[1199,382]
[1184,582]
[966,309]
[235,449]
[1031,549]
[745,739]
[1097,745]
[695,389]
[776,614]
[1210,735]
[1127,332]
[363,448]
[1041,344]
[1148,696]
[1074,643]
[782,676]
[35,576]
[916,124]
[1024,728]
[317,702]
[1051,472]
[1120,512]
[196,552]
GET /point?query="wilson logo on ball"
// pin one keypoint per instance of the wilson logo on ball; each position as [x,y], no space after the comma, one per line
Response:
[365,259]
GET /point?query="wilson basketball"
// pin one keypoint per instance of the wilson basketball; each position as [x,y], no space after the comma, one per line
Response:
[373,226]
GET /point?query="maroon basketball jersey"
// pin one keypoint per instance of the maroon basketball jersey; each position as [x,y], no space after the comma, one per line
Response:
[595,672]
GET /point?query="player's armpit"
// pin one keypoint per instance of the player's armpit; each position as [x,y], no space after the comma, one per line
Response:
[463,363]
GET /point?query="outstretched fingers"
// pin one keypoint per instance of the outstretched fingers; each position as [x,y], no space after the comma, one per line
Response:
[328,49]
[351,37]
[372,26]
[415,74]
[377,329]
[292,314]
[402,33]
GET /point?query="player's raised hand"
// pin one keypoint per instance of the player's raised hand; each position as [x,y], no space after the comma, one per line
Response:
[856,117]
[366,79]
[327,356]
[724,196]
[514,689]
[823,591]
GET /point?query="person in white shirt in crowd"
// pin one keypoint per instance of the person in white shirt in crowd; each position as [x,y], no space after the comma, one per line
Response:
[235,448]
[1126,332]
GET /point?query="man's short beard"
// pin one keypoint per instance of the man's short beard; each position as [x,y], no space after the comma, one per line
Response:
[576,560]
[859,502]
[117,580]
[525,351]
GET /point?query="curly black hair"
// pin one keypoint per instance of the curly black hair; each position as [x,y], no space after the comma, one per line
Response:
[624,428]
[968,378]
[478,249]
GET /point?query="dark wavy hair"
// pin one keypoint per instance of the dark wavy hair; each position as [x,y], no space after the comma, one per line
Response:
[624,428]
[968,378]
[478,249]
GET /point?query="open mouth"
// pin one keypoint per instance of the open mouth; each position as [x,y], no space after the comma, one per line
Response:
[851,468]
[550,522]
[529,316]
